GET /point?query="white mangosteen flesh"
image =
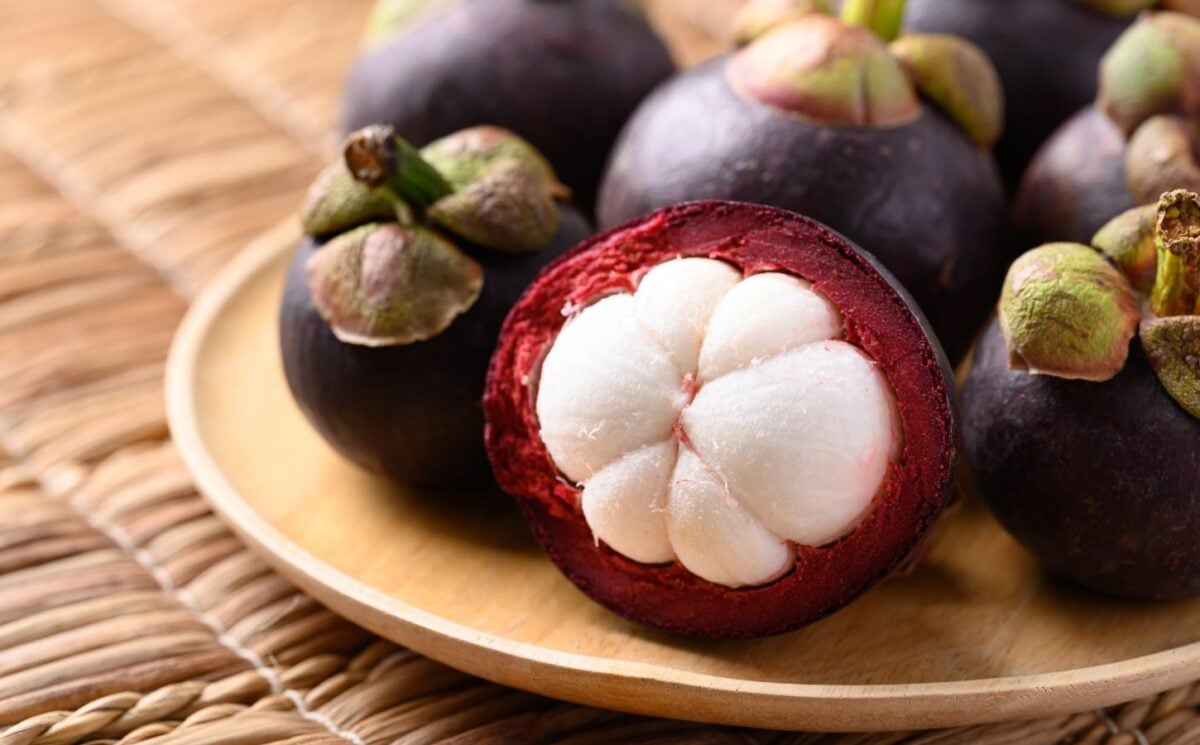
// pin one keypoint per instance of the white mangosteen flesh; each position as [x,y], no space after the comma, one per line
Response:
[716,420]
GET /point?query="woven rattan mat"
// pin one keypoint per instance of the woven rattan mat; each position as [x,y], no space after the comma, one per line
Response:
[142,143]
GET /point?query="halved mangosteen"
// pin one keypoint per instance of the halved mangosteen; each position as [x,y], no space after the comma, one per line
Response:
[722,419]
[1139,139]
[1087,448]
[394,300]
[884,139]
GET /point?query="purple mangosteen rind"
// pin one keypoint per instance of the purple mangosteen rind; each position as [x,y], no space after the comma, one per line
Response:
[880,318]
[927,201]
[564,75]
[1092,478]
[391,307]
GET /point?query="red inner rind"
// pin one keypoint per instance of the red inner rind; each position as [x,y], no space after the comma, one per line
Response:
[879,318]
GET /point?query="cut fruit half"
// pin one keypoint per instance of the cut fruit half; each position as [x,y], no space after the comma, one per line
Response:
[722,419]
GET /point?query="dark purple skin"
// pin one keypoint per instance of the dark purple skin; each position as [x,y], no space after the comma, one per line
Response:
[1046,52]
[1099,480]
[1075,184]
[563,74]
[927,202]
[410,412]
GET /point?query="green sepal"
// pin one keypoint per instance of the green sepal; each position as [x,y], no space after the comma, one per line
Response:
[384,284]
[336,201]
[1065,311]
[1173,347]
[959,79]
[1129,241]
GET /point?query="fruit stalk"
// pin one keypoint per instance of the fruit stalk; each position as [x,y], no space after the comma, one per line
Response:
[1176,290]
[883,17]
[383,160]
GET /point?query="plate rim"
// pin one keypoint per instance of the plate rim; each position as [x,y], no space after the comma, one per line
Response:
[644,688]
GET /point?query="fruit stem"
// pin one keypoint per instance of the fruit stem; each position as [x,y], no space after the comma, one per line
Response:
[1176,290]
[883,17]
[381,159]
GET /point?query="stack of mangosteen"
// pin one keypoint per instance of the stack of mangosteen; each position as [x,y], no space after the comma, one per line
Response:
[730,413]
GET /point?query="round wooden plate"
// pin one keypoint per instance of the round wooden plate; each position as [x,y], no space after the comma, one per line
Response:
[976,633]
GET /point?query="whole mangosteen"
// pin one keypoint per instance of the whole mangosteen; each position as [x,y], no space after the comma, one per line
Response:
[563,74]
[1046,52]
[1084,447]
[722,419]
[821,116]
[394,300]
[1135,142]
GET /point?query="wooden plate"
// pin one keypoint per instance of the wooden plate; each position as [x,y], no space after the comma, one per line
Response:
[977,633]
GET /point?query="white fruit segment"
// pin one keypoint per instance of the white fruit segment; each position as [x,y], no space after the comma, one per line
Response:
[675,301]
[625,501]
[716,421]
[713,535]
[803,438]
[608,388]
[764,315]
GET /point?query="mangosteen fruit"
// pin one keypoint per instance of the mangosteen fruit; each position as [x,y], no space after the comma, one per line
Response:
[1136,141]
[394,299]
[1045,51]
[563,74]
[886,144]
[1085,444]
[722,419]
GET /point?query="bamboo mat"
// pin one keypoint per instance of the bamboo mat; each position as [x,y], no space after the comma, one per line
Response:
[143,143]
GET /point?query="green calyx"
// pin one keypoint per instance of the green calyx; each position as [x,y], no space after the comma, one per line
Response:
[1118,8]
[841,74]
[337,201]
[757,17]
[484,184]
[463,156]
[506,208]
[505,193]
[1065,311]
[1158,247]
[382,161]
[1176,289]
[1161,156]
[390,270]
[1152,69]
[1173,347]
[383,284]
[827,71]
[1129,241]
[1171,335]
[958,78]
[390,17]
[884,18]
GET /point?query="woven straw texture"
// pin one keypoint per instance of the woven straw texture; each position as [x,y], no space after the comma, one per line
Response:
[142,143]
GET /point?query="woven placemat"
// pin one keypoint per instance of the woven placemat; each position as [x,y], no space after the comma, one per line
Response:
[142,143]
